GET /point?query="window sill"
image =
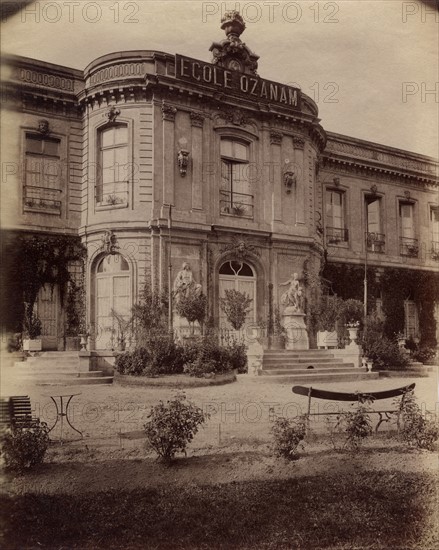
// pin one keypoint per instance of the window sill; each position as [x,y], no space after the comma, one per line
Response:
[103,207]
[236,216]
[42,210]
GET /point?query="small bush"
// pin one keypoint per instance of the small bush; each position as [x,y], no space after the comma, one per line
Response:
[133,362]
[166,356]
[423,354]
[385,353]
[418,431]
[358,427]
[206,355]
[200,368]
[25,446]
[172,426]
[288,434]
[353,428]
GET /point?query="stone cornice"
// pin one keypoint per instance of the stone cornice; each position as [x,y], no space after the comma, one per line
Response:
[379,158]
[385,172]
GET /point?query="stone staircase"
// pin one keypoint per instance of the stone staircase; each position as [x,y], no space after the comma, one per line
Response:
[57,368]
[303,366]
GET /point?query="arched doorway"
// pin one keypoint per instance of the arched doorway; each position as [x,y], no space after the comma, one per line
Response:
[112,294]
[239,276]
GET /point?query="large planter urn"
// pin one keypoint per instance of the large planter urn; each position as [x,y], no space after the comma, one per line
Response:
[353,334]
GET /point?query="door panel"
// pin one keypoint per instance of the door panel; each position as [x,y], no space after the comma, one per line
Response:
[48,312]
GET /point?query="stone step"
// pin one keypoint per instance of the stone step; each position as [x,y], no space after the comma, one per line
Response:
[298,353]
[313,378]
[61,375]
[310,359]
[288,365]
[311,363]
[52,360]
[349,368]
[77,381]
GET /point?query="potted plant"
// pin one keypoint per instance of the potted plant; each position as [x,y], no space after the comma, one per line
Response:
[124,328]
[31,330]
[329,314]
[352,314]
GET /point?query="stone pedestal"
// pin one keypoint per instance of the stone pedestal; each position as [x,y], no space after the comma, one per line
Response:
[183,329]
[294,324]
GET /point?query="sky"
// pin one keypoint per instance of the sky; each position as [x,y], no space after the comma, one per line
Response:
[371,66]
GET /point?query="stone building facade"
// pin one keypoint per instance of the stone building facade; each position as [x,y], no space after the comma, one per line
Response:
[154,159]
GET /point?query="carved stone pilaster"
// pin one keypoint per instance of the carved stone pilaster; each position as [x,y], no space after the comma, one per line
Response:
[298,142]
[197,119]
[168,112]
[275,138]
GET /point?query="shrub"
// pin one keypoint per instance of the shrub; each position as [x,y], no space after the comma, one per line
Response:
[133,362]
[166,356]
[159,355]
[25,446]
[206,355]
[172,426]
[423,354]
[235,305]
[354,427]
[384,353]
[358,427]
[288,434]
[192,306]
[418,431]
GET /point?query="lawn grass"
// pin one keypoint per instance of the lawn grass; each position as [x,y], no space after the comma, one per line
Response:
[373,510]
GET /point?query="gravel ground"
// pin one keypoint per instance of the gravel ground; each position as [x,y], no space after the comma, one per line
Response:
[233,445]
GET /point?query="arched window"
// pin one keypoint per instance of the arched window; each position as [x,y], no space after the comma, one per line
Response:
[113,173]
[235,192]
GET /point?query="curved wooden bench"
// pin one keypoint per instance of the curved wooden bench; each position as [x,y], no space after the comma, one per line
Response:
[359,397]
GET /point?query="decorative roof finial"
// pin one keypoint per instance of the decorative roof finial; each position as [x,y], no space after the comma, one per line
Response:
[231,53]
[232,24]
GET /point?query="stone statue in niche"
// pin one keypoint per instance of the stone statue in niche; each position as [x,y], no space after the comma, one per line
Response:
[290,180]
[294,297]
[184,282]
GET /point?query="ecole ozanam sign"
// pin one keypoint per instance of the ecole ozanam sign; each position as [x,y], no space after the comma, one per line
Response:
[235,82]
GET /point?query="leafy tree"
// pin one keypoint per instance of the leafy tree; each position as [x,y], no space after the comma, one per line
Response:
[236,305]
[192,306]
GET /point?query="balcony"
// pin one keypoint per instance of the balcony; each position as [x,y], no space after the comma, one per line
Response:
[42,199]
[236,204]
[375,242]
[408,247]
[434,251]
[336,235]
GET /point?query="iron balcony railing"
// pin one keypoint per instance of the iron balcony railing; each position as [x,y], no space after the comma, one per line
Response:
[408,247]
[335,235]
[236,204]
[375,242]
[42,199]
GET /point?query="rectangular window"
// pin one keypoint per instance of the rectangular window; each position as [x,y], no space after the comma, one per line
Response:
[434,231]
[43,181]
[408,243]
[375,239]
[113,177]
[235,191]
[336,231]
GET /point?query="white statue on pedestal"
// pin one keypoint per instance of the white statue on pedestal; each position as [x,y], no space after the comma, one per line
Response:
[184,282]
[293,298]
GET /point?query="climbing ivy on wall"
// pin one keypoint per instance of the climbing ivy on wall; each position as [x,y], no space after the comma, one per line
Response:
[32,261]
[423,288]
[395,285]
